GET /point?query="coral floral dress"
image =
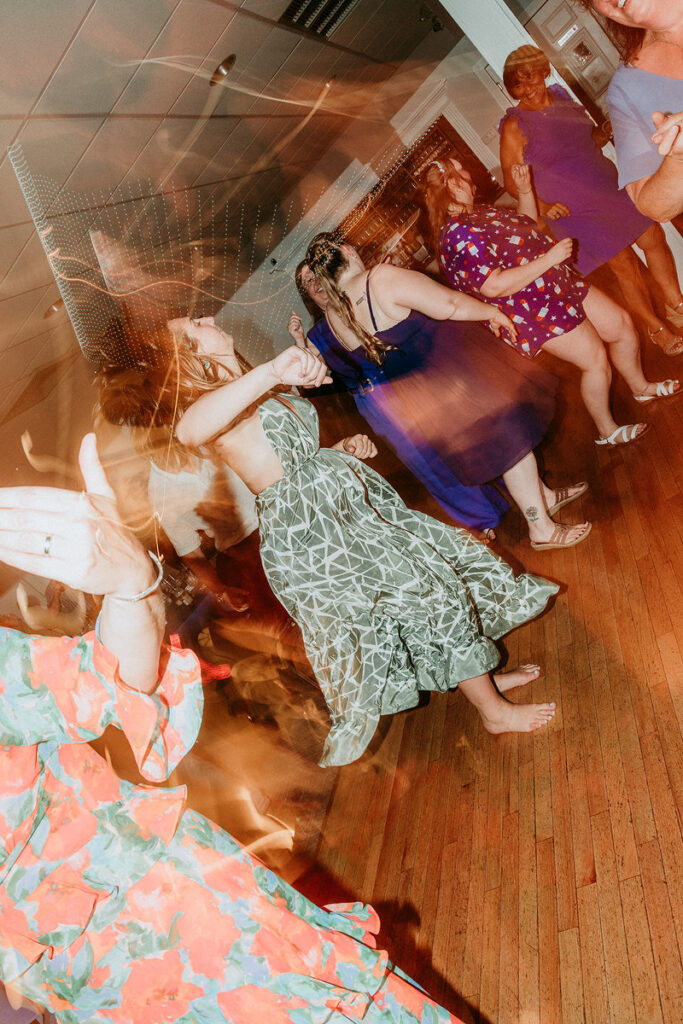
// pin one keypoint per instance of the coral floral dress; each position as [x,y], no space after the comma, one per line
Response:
[116,905]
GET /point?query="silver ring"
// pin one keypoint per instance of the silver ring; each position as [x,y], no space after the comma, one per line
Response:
[47,543]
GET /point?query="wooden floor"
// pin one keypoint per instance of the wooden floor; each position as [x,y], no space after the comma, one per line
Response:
[538,878]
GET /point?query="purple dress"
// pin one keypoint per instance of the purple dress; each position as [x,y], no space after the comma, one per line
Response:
[479,507]
[568,167]
[489,239]
[463,404]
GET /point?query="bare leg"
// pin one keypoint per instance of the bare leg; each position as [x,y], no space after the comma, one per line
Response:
[583,348]
[661,263]
[531,496]
[615,327]
[626,267]
[498,714]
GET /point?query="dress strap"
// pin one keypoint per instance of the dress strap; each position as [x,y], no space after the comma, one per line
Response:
[367,295]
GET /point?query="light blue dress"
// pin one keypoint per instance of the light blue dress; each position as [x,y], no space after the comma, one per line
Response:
[632,97]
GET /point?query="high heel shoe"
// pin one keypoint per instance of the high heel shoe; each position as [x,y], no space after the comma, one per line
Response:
[674,314]
[674,348]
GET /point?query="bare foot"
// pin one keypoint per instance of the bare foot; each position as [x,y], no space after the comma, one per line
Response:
[510,717]
[517,677]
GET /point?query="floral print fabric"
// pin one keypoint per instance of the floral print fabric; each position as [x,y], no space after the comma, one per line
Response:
[117,906]
[496,239]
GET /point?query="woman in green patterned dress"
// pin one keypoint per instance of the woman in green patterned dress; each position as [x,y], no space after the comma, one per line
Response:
[389,600]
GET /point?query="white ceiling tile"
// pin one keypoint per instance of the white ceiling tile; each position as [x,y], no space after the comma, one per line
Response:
[96,68]
[33,38]
[15,311]
[29,271]
[53,147]
[12,241]
[185,40]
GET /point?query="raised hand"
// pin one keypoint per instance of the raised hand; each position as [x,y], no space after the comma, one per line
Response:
[295,329]
[560,252]
[299,368]
[521,178]
[74,537]
[358,445]
[668,137]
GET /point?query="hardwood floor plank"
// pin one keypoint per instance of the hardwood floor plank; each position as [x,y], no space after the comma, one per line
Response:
[592,957]
[550,1000]
[641,961]
[619,988]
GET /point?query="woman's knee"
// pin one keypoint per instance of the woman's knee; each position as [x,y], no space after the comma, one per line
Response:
[652,239]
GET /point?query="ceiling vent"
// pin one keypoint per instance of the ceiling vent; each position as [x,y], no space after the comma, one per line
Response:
[321,17]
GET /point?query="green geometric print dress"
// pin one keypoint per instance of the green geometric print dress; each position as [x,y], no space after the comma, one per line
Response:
[389,600]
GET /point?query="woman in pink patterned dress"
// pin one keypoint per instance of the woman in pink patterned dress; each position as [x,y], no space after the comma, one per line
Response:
[502,257]
[116,904]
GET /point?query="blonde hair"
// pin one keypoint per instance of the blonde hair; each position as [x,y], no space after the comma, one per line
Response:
[325,257]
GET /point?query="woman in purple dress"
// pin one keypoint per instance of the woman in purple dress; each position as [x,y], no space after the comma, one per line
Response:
[443,380]
[501,257]
[478,506]
[576,188]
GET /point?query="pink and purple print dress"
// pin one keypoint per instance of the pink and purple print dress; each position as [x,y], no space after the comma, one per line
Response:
[488,239]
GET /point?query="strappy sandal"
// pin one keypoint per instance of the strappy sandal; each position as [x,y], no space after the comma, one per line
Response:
[563,497]
[664,389]
[674,348]
[674,314]
[558,538]
[628,434]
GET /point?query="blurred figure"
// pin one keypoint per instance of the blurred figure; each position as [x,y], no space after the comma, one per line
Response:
[117,903]
[645,100]
[479,507]
[576,188]
[443,381]
[197,495]
[501,256]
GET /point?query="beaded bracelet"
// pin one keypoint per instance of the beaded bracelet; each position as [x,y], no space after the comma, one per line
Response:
[149,590]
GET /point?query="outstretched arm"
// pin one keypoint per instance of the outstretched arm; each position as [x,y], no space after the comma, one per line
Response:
[215,411]
[79,539]
[660,196]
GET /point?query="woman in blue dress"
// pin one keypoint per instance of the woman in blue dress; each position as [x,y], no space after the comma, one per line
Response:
[444,382]
[478,507]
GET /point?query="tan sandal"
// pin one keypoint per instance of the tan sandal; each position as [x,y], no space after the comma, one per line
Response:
[556,538]
[674,348]
[563,497]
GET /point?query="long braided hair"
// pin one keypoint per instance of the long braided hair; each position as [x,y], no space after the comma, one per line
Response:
[326,259]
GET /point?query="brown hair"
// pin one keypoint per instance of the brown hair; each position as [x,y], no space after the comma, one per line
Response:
[164,376]
[436,200]
[527,58]
[627,39]
[326,259]
[312,307]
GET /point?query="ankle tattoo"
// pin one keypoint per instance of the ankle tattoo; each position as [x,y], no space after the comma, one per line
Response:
[531,513]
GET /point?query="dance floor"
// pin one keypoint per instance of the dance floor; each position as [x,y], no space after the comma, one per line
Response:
[520,879]
[538,878]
